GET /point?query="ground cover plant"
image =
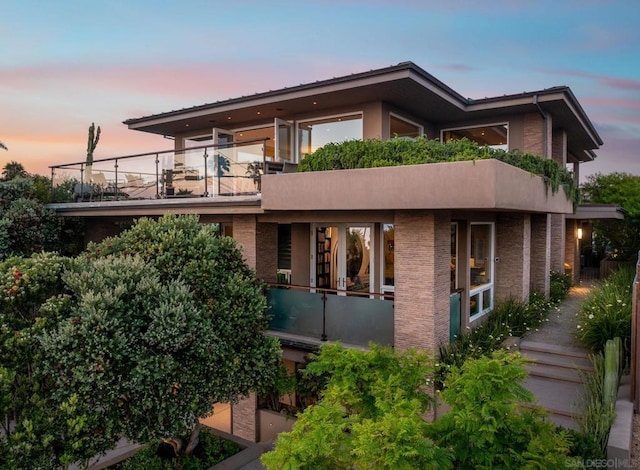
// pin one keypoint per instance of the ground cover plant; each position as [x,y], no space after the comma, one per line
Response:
[508,318]
[394,152]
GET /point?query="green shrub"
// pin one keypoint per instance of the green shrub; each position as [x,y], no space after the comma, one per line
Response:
[606,313]
[559,285]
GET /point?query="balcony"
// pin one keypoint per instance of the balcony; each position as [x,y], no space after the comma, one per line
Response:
[230,169]
[311,316]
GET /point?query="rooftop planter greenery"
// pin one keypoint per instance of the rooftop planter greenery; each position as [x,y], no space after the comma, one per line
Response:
[395,152]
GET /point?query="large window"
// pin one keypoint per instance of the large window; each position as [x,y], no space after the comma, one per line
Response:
[481,269]
[401,127]
[492,135]
[313,134]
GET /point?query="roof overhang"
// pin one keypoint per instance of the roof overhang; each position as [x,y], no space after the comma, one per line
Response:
[598,212]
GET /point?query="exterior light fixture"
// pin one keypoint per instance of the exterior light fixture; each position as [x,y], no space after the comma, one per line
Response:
[580,234]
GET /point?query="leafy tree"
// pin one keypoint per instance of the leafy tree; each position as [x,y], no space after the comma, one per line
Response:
[231,305]
[487,427]
[27,227]
[620,236]
[369,415]
[13,170]
[43,434]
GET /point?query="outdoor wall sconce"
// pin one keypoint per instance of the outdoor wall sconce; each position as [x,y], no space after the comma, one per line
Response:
[579,234]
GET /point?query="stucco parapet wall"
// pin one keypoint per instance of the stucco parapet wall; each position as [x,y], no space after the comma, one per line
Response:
[202,205]
[483,185]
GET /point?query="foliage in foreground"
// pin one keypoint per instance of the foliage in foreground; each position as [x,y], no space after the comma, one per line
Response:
[394,152]
[210,451]
[488,427]
[606,313]
[370,417]
[559,285]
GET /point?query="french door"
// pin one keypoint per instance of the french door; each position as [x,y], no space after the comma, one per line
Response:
[341,257]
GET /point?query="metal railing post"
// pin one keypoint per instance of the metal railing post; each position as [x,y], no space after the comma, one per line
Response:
[324,316]
[116,171]
[157,177]
[206,189]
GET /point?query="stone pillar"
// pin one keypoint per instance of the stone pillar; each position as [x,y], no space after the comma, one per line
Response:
[422,272]
[244,418]
[540,252]
[513,253]
[259,245]
[557,242]
[534,130]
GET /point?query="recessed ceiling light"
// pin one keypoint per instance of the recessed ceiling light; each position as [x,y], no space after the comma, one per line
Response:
[258,112]
[186,125]
[229,118]
[315,102]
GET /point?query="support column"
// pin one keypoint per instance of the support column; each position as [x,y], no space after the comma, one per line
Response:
[513,253]
[557,242]
[244,418]
[259,245]
[540,252]
[422,254]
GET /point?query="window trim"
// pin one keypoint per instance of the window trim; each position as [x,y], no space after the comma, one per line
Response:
[490,286]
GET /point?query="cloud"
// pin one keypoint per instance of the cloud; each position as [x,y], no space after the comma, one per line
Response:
[617,83]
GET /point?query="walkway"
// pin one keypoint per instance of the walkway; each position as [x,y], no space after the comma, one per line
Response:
[554,378]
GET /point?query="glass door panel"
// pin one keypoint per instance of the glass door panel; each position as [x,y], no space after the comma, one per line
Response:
[342,256]
[284,140]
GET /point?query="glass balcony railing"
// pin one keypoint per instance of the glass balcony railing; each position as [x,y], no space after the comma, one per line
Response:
[204,171]
[323,315]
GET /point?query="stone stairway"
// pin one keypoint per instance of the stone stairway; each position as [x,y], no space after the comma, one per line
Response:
[556,380]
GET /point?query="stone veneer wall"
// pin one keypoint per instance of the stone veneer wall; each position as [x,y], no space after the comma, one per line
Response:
[259,244]
[540,252]
[533,134]
[513,253]
[422,272]
[557,242]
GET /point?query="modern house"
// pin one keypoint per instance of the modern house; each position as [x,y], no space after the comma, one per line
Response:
[405,256]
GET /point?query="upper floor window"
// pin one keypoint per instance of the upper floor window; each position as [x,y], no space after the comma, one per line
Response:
[401,127]
[492,135]
[313,134]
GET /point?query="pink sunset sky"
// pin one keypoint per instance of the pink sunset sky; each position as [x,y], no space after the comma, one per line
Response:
[67,64]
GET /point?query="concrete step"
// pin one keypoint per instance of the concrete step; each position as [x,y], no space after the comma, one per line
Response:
[554,349]
[559,361]
[559,397]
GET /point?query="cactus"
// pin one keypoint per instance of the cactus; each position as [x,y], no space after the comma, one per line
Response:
[94,137]
[610,373]
[620,358]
